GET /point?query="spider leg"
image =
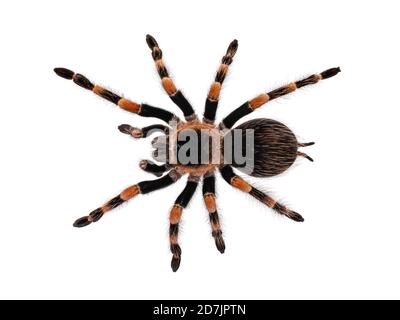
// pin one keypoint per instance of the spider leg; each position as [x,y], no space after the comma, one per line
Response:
[209,200]
[176,95]
[250,106]
[151,167]
[175,217]
[128,193]
[143,132]
[143,109]
[236,181]
[213,94]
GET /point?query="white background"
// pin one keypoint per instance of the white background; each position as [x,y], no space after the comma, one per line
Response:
[62,155]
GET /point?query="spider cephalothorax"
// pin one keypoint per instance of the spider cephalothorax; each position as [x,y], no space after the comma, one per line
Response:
[259,147]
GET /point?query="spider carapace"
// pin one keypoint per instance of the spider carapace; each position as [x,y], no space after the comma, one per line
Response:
[197,148]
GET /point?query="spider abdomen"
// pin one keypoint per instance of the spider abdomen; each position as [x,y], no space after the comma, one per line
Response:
[273,151]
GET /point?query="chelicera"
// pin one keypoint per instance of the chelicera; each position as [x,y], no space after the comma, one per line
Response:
[198,148]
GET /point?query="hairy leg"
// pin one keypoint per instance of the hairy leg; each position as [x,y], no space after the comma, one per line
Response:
[174,218]
[209,200]
[128,193]
[236,181]
[251,105]
[213,95]
[143,109]
[176,95]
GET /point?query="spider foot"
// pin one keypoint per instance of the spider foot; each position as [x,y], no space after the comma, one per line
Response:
[94,216]
[219,241]
[175,263]
[64,73]
[176,257]
[134,132]
[294,216]
[82,222]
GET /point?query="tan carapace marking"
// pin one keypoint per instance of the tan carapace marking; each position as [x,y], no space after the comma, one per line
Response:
[241,184]
[214,133]
[196,171]
[209,199]
[259,101]
[214,91]
[195,125]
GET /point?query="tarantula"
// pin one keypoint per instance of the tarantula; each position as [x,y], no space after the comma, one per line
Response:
[273,147]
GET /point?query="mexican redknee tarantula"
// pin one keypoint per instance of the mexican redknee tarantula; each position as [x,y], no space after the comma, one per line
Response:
[273,146]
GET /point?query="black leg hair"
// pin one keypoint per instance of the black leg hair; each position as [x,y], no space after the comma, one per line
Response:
[143,109]
[250,106]
[130,192]
[175,217]
[209,200]
[144,132]
[151,167]
[176,95]
[236,181]
[213,95]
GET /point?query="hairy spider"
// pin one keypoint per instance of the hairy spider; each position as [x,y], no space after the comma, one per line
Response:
[273,147]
